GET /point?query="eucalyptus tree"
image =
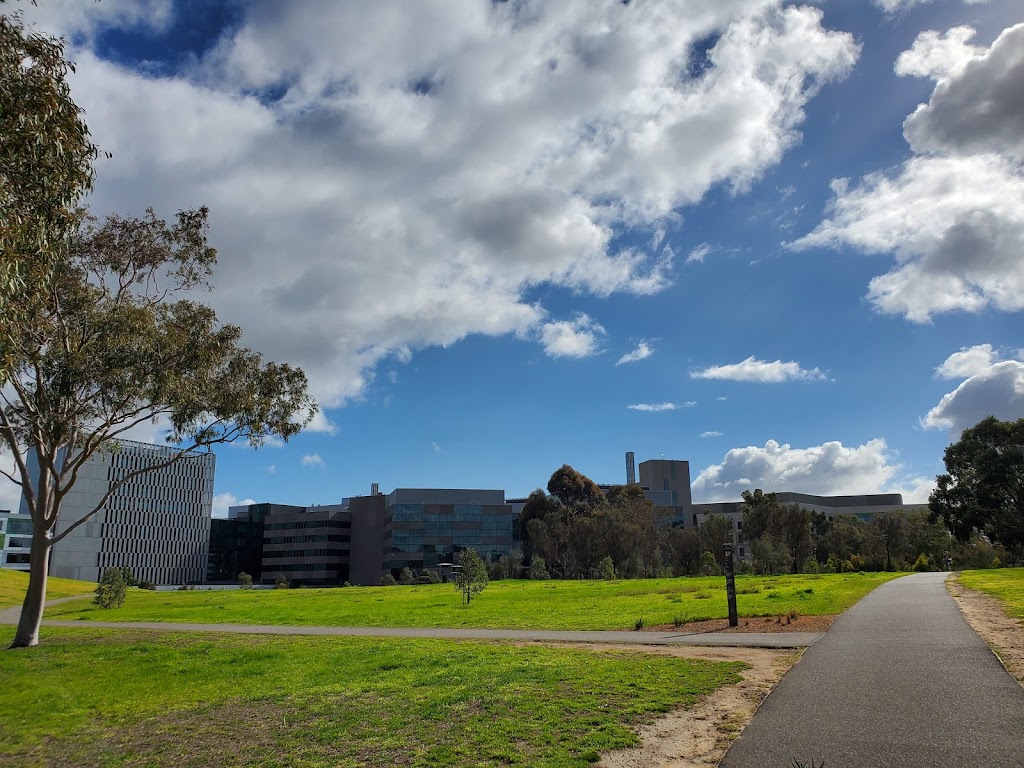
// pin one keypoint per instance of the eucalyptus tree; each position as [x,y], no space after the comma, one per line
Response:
[46,166]
[118,340]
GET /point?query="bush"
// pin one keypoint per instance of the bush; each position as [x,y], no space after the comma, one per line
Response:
[744,567]
[281,582]
[387,580]
[347,584]
[406,577]
[922,563]
[244,580]
[638,624]
[606,569]
[111,590]
[538,569]
[147,584]
[129,579]
[709,566]
[430,576]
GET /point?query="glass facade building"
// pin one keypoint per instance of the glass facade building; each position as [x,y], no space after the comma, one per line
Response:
[421,535]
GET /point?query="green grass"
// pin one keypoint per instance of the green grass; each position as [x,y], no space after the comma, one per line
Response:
[583,605]
[1005,584]
[14,583]
[109,698]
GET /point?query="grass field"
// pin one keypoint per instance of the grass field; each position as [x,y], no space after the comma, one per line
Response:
[584,605]
[1006,584]
[14,583]
[109,698]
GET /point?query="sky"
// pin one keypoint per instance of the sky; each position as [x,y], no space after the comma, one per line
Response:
[781,241]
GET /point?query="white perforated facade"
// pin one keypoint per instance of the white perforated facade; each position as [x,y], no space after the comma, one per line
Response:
[157,524]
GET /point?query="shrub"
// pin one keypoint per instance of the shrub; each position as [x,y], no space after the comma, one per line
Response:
[606,569]
[281,582]
[678,621]
[129,579]
[147,584]
[347,584]
[406,577]
[538,569]
[111,590]
[744,567]
[387,580]
[638,624]
[244,580]
[922,563]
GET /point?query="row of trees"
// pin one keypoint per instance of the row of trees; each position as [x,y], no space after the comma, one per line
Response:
[575,531]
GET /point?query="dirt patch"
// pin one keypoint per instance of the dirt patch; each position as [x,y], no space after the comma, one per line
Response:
[784,623]
[1004,634]
[699,737]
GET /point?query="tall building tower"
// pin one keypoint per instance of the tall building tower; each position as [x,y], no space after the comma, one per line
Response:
[157,524]
[668,475]
[630,468]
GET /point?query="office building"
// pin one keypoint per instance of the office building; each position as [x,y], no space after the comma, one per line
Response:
[157,523]
[16,536]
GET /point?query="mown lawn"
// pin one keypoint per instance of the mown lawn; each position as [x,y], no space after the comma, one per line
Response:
[14,583]
[1006,584]
[109,698]
[583,605]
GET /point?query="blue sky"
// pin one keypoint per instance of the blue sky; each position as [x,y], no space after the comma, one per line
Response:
[500,237]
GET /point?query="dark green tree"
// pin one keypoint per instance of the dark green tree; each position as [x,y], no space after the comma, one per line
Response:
[471,578]
[112,589]
[119,341]
[714,532]
[983,487]
[576,491]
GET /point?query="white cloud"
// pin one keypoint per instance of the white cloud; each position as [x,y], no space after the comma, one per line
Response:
[831,469]
[222,501]
[762,371]
[571,338]
[642,352]
[896,7]
[659,407]
[313,460]
[270,469]
[997,390]
[967,362]
[494,149]
[953,215]
[710,434]
[697,254]
[436,448]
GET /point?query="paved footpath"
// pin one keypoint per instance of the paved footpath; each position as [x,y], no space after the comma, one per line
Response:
[900,681]
[737,639]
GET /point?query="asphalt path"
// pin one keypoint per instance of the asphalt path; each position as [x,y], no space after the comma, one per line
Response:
[732,639]
[900,680]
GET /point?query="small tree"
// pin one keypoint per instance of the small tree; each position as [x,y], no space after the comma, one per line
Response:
[111,590]
[606,568]
[281,582]
[244,580]
[129,578]
[471,578]
[538,569]
[406,576]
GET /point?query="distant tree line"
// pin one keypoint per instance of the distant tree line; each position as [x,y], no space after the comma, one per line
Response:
[575,531]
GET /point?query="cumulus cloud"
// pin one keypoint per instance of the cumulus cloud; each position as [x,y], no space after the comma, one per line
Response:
[222,501]
[997,390]
[762,371]
[831,469]
[642,352]
[967,362]
[953,215]
[313,460]
[369,205]
[659,407]
[571,338]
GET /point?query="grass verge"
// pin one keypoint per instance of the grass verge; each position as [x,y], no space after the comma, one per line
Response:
[14,583]
[1004,584]
[109,698]
[567,605]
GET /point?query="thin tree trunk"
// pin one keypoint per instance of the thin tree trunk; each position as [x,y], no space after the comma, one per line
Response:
[35,597]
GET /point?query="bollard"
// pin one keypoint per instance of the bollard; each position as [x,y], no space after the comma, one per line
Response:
[730,586]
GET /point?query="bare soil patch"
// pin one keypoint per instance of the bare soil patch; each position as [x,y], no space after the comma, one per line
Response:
[699,737]
[784,623]
[1004,634]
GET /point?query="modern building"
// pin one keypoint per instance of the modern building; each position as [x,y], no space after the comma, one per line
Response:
[15,540]
[157,523]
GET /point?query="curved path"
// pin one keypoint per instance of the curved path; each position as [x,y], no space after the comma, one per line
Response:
[736,640]
[900,680]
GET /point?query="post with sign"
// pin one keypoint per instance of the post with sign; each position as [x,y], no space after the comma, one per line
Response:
[730,586]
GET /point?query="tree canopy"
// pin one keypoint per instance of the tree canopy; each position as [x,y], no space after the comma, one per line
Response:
[982,489]
[117,341]
[46,166]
